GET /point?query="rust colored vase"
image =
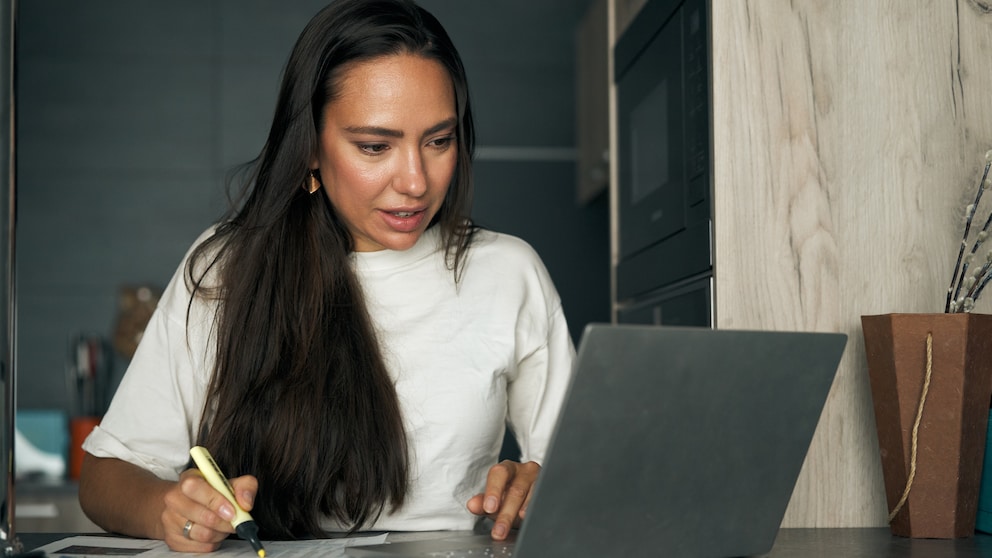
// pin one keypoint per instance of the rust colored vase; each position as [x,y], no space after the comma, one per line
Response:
[943,499]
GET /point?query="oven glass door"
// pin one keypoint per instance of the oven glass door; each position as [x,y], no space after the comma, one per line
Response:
[652,168]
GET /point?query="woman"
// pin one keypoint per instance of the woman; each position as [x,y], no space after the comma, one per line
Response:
[344,342]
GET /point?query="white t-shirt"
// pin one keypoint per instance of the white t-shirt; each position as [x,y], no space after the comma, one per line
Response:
[466,358]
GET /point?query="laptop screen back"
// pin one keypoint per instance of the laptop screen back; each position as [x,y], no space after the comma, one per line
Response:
[679,441]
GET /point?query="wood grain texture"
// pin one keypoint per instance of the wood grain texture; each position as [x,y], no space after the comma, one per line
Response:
[847,137]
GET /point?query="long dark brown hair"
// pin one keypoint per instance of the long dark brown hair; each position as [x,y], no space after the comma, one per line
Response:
[300,396]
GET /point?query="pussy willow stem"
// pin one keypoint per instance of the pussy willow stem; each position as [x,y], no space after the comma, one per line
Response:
[958,278]
[982,274]
[979,285]
[974,249]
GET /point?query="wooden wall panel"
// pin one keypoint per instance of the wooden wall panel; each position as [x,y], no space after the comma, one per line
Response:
[847,136]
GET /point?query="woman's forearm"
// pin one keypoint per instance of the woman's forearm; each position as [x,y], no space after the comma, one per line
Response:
[122,498]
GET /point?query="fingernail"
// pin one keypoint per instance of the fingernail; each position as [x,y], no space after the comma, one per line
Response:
[248,497]
[226,511]
[499,530]
[491,505]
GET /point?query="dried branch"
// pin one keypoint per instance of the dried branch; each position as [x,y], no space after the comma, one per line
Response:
[975,283]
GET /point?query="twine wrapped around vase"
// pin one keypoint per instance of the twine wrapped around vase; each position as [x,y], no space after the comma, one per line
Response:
[916,430]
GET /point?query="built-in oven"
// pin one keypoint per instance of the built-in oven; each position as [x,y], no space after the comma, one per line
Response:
[664,272]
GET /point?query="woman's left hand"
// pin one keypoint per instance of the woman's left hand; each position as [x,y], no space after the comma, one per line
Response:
[508,489]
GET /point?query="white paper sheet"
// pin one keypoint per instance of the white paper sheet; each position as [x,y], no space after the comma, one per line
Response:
[101,547]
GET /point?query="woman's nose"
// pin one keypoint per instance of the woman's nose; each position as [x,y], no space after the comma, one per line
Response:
[412,179]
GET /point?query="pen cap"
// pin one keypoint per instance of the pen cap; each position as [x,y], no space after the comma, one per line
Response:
[212,473]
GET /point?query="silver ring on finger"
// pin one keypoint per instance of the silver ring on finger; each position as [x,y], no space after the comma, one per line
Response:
[187,527]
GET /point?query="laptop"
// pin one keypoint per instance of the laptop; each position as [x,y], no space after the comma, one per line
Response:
[672,442]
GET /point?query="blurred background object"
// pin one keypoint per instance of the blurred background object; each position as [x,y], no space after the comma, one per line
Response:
[89,365]
[135,307]
[32,462]
[89,381]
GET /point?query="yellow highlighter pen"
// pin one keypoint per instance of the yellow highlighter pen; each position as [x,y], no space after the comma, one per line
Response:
[243,523]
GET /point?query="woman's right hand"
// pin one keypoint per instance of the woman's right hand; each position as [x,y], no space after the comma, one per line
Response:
[123,498]
[208,512]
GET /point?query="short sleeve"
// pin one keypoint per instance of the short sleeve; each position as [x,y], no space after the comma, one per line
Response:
[156,411]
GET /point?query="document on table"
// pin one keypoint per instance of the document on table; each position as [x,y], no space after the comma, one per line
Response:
[92,546]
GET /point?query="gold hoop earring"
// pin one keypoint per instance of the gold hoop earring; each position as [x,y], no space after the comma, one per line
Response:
[312,184]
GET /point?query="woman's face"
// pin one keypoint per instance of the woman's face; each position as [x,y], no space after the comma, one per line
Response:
[388,149]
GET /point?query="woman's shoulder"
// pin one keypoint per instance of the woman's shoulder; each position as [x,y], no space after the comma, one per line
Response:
[502,245]
[505,268]
[202,259]
[194,265]
[501,254]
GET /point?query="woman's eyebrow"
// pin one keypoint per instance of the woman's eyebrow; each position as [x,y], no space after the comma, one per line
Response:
[375,131]
[440,126]
[391,133]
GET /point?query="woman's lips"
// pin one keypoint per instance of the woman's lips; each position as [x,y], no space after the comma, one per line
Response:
[404,220]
